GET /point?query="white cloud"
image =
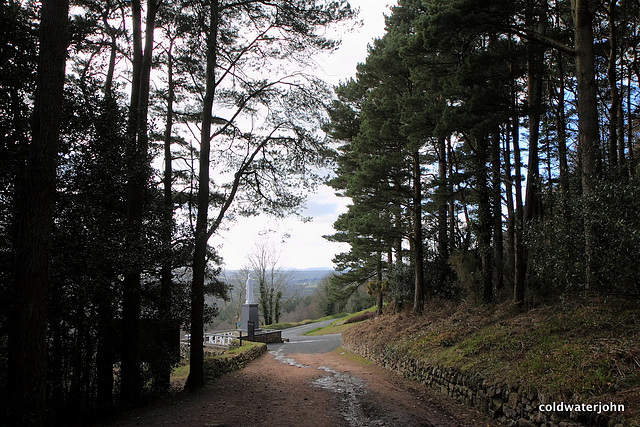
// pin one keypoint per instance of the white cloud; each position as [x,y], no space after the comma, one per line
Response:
[341,64]
[301,243]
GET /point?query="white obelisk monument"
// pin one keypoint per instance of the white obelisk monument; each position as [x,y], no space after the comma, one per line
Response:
[249,309]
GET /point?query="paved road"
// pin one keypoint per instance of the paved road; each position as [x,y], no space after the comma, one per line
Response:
[299,343]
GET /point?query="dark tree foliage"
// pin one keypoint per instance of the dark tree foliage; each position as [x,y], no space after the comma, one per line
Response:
[478,86]
[18,49]
[96,246]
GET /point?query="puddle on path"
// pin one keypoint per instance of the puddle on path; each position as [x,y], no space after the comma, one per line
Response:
[348,388]
[286,360]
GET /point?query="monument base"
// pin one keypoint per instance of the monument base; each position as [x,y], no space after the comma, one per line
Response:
[249,314]
[266,336]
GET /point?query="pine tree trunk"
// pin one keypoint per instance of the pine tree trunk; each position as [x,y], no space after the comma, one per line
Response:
[443,227]
[561,125]
[520,258]
[27,353]
[379,295]
[196,353]
[588,135]
[534,97]
[510,209]
[418,245]
[587,107]
[108,81]
[56,394]
[398,241]
[105,357]
[137,169]
[615,93]
[453,241]
[498,241]
[129,364]
[165,319]
[485,219]
[630,126]
[622,161]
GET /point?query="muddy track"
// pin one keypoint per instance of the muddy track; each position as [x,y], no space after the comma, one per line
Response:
[330,389]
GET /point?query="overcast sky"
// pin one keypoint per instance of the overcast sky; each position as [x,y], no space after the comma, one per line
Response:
[302,244]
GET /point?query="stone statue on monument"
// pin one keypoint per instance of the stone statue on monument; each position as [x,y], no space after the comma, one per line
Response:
[249,320]
[249,290]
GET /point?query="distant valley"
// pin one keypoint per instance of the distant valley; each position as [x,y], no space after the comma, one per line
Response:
[303,282]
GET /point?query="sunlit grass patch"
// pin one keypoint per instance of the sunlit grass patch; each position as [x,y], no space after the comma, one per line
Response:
[339,325]
[351,357]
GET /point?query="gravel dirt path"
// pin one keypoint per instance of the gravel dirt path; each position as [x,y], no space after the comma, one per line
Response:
[332,389]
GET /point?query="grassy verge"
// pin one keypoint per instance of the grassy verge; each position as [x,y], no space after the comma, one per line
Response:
[212,363]
[234,351]
[180,374]
[583,351]
[351,357]
[339,325]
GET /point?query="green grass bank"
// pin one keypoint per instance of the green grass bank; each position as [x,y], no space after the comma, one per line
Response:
[579,351]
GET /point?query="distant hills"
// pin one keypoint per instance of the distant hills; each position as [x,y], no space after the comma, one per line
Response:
[304,281]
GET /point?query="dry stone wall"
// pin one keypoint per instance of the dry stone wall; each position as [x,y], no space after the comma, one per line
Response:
[509,405]
[219,365]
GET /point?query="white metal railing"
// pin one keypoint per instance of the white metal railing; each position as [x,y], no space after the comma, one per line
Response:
[222,338]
